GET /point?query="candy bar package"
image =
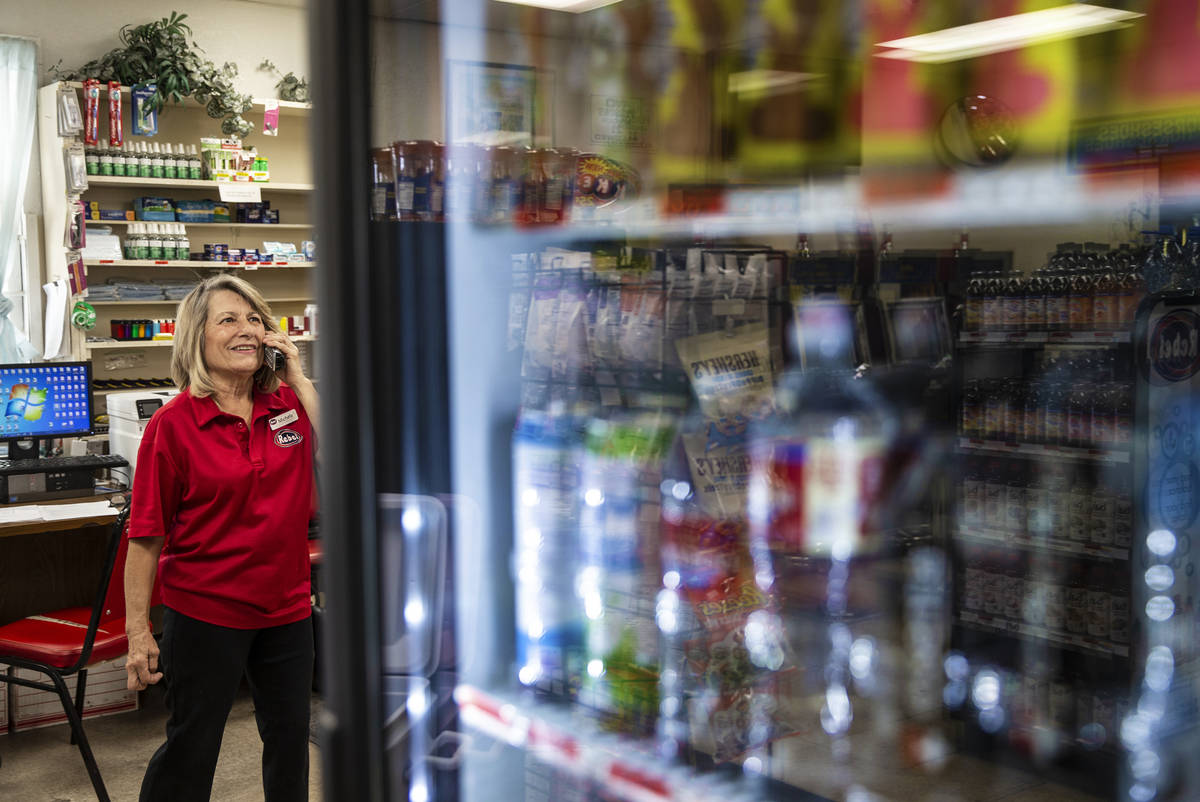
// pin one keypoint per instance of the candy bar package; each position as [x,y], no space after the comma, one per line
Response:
[145,120]
[91,112]
[730,371]
[70,119]
[720,466]
[116,136]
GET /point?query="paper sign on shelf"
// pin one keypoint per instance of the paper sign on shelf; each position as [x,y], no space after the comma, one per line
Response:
[240,192]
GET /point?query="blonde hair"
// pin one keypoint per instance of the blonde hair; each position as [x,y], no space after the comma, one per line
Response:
[188,368]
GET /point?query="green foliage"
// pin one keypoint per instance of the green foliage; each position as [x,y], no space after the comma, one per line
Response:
[289,86]
[161,53]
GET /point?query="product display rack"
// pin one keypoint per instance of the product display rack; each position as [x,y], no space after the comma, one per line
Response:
[1042,655]
[288,285]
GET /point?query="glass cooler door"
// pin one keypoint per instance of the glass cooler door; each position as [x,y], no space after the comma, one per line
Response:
[748,401]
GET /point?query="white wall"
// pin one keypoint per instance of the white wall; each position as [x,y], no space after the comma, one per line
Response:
[77,31]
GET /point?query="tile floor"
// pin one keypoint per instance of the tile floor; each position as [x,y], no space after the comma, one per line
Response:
[42,766]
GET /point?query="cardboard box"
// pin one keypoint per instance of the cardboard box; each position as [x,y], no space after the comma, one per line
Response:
[105,694]
[3,707]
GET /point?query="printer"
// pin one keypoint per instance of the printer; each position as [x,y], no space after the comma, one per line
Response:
[128,414]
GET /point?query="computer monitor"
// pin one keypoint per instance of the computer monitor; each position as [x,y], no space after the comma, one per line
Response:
[44,400]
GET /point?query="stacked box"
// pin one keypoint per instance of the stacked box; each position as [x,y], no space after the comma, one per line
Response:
[105,694]
[3,707]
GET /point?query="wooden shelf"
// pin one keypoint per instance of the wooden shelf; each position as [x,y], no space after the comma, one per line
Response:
[202,225]
[167,302]
[190,263]
[125,344]
[287,108]
[1036,451]
[188,183]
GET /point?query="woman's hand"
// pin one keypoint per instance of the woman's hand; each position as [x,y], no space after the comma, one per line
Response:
[293,372]
[141,664]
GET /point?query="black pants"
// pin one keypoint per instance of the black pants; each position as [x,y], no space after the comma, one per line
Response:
[203,666]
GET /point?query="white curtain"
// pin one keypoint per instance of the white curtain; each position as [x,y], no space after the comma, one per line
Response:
[18,97]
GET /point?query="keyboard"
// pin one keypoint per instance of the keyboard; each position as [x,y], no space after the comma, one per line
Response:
[54,464]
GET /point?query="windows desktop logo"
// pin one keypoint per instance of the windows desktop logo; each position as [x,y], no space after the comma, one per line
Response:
[25,402]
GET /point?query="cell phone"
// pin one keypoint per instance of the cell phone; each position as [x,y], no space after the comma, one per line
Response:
[273,358]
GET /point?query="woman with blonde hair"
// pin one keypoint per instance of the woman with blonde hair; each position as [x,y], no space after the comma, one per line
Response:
[222,498]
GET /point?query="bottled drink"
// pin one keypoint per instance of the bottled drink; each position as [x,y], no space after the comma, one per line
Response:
[106,158]
[505,185]
[145,161]
[1118,607]
[1059,501]
[1079,299]
[620,575]
[973,410]
[1015,500]
[994,404]
[1014,411]
[973,304]
[156,161]
[170,162]
[1099,600]
[128,248]
[1054,414]
[1077,600]
[1122,505]
[437,186]
[1123,416]
[1056,596]
[546,455]
[972,494]
[1013,308]
[993,300]
[1107,299]
[1032,422]
[185,244]
[154,243]
[1037,507]
[195,166]
[974,578]
[1079,416]
[383,185]
[1014,588]
[1132,290]
[1103,515]
[92,161]
[1079,525]
[1057,308]
[1035,302]
[994,582]
[119,160]
[422,157]
[168,240]
[407,171]
[995,496]
[1104,411]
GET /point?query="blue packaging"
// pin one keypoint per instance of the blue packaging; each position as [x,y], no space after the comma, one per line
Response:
[145,121]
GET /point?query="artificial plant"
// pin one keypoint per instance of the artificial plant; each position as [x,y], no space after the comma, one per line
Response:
[289,87]
[163,53]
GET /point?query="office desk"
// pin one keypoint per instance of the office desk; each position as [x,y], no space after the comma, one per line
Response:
[46,565]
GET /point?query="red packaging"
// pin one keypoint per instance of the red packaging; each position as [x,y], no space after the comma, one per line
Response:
[115,129]
[91,112]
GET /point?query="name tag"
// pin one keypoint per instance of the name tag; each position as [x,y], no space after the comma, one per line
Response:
[283,419]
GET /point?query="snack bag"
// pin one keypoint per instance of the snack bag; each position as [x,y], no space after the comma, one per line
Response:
[730,372]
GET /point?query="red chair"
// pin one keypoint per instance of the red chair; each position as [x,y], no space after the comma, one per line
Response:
[68,641]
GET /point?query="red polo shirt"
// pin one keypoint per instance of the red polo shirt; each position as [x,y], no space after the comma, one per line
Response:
[233,504]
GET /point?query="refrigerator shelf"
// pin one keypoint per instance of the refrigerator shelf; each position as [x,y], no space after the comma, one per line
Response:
[1037,451]
[1035,339]
[987,623]
[574,743]
[1026,543]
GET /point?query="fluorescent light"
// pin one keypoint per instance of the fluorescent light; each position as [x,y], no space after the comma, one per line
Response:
[1008,33]
[571,6]
[767,81]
